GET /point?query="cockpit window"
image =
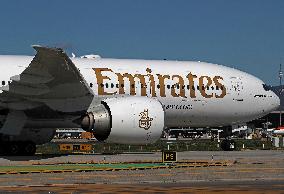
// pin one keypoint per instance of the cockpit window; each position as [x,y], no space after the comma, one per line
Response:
[266,87]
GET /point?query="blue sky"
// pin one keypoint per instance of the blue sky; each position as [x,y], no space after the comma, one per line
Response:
[245,34]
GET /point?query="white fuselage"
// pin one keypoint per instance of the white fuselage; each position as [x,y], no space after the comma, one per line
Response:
[229,96]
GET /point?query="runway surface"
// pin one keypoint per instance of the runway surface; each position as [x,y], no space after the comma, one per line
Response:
[260,171]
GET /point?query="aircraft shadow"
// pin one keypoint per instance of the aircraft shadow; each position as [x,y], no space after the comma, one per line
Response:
[35,157]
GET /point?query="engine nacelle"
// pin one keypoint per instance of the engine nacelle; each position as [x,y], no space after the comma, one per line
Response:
[126,120]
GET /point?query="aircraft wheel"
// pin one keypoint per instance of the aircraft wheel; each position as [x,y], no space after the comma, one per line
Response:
[29,148]
[13,148]
[228,145]
[2,149]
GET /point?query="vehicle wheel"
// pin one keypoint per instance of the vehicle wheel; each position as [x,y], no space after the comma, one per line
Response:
[228,145]
[29,149]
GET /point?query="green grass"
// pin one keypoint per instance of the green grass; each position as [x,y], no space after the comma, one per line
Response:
[60,167]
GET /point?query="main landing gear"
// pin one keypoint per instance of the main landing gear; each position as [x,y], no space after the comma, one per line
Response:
[18,148]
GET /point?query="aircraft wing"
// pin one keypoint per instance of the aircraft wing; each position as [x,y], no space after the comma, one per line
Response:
[50,80]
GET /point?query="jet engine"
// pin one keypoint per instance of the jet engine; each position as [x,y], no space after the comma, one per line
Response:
[125,120]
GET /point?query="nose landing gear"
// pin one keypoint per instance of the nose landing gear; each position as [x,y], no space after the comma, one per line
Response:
[228,145]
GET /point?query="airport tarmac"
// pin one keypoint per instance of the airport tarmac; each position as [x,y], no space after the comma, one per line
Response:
[259,171]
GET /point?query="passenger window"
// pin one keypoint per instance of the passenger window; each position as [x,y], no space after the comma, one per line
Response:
[187,87]
[3,83]
[158,86]
[212,87]
[207,87]
[91,85]
[117,85]
[197,87]
[177,86]
[112,85]
[168,86]
[106,85]
[217,87]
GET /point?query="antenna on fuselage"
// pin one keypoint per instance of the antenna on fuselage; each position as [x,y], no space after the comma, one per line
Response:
[280,91]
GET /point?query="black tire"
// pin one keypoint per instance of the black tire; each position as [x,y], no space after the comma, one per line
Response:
[28,148]
[3,149]
[14,148]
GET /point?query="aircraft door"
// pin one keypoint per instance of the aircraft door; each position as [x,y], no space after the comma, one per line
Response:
[237,88]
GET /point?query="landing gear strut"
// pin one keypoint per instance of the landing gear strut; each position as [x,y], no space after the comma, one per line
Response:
[228,145]
[18,148]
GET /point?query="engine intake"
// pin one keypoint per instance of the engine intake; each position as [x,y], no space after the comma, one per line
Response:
[97,121]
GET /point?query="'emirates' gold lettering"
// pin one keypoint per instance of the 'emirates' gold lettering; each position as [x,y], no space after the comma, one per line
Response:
[221,86]
[176,84]
[179,85]
[152,83]
[190,78]
[162,84]
[100,80]
[203,87]
[132,83]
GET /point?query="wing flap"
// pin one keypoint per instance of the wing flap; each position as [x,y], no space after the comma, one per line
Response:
[19,88]
[32,78]
[51,79]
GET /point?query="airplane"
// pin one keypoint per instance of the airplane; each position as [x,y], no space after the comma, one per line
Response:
[120,100]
